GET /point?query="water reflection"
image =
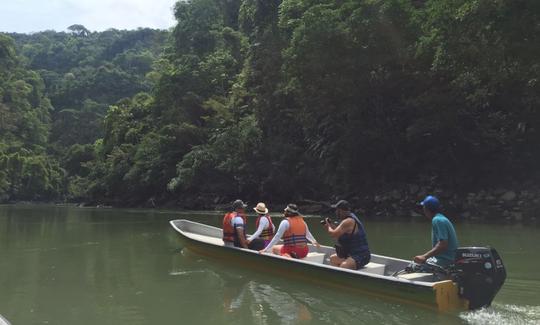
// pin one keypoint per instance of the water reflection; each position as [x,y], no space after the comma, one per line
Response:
[244,298]
[261,301]
[113,267]
[247,297]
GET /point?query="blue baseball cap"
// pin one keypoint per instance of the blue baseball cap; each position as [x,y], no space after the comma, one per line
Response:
[432,203]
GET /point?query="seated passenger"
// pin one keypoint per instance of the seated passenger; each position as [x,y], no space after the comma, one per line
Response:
[443,235]
[234,226]
[265,229]
[352,250]
[295,233]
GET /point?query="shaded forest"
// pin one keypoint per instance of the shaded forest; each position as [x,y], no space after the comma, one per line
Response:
[277,101]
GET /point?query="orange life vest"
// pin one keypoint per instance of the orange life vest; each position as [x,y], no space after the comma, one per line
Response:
[229,233]
[268,233]
[296,234]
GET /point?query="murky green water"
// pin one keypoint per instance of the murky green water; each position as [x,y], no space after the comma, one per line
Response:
[61,265]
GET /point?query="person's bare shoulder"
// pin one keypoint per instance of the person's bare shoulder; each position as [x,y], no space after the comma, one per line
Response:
[348,223]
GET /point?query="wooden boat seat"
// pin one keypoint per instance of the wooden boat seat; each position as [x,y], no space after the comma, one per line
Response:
[417,276]
[314,257]
[374,268]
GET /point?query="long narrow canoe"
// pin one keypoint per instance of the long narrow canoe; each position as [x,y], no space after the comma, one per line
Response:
[375,279]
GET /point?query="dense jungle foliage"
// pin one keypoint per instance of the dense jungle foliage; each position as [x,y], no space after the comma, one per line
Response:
[274,100]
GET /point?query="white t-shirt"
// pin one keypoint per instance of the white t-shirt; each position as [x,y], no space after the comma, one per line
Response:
[237,221]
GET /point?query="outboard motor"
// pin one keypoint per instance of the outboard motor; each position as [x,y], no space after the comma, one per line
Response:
[480,273]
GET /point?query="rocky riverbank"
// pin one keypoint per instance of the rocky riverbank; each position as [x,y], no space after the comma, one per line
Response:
[510,204]
[498,204]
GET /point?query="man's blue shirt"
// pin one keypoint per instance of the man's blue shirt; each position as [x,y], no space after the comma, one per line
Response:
[442,229]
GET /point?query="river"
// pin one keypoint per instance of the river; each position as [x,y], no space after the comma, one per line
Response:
[67,265]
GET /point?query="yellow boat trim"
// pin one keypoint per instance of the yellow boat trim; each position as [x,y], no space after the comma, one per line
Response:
[447,296]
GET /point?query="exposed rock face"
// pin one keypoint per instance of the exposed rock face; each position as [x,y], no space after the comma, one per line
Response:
[520,203]
[497,204]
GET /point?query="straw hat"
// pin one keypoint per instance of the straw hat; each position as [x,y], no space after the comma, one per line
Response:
[261,208]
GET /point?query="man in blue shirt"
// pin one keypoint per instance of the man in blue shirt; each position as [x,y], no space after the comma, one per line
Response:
[443,236]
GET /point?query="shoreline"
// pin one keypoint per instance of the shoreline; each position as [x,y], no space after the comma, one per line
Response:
[499,205]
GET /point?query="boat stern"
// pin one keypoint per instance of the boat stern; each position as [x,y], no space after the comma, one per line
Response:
[447,296]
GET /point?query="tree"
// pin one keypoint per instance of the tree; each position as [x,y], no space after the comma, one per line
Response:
[79,30]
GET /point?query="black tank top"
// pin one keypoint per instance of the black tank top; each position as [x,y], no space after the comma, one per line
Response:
[355,243]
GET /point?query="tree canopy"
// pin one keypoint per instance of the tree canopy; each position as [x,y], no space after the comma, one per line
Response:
[278,100]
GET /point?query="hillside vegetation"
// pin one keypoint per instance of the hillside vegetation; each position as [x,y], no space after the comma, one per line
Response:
[277,101]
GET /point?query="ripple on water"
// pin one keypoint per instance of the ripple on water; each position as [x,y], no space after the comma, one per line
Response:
[504,314]
[186,272]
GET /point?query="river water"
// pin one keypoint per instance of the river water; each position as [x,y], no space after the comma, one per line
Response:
[67,265]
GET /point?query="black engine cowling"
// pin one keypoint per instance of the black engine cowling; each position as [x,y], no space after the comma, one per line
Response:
[480,273]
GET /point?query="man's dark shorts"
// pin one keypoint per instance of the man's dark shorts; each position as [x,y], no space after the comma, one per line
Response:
[361,260]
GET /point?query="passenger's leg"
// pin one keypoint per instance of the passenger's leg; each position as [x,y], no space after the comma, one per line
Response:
[302,252]
[283,251]
[335,260]
[277,249]
[256,244]
[348,263]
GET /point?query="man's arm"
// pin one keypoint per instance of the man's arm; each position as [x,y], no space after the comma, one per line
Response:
[440,247]
[238,225]
[440,233]
[344,227]
[241,237]
[310,237]
[283,226]
[262,224]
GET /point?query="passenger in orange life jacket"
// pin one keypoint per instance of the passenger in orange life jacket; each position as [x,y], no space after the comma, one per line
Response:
[234,226]
[295,233]
[265,228]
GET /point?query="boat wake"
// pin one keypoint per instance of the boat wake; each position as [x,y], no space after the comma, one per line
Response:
[187,272]
[503,314]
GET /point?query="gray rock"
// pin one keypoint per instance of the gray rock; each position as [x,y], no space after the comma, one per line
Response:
[518,216]
[498,191]
[509,196]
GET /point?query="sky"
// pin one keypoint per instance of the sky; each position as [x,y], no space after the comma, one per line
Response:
[27,16]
